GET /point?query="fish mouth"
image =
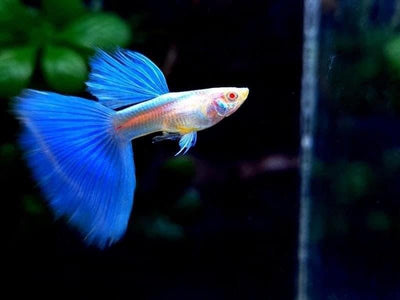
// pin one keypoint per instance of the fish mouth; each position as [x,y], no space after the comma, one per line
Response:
[244,92]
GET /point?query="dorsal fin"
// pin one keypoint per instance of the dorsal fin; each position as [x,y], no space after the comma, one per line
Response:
[124,78]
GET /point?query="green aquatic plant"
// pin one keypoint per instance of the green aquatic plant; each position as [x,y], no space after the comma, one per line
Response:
[189,202]
[378,221]
[33,205]
[57,39]
[7,153]
[182,166]
[160,227]
[361,59]
[354,181]
[391,160]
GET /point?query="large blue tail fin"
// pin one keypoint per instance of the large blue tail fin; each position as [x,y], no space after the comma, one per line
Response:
[84,168]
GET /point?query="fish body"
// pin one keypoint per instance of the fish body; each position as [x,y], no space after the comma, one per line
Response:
[80,151]
[181,112]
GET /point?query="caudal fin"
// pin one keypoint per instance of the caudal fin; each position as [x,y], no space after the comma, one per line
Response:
[84,169]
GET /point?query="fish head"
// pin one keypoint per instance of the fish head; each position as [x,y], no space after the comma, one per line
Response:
[222,102]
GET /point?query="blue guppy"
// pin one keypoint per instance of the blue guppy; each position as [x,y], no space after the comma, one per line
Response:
[80,151]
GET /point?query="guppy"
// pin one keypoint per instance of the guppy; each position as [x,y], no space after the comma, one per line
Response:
[80,151]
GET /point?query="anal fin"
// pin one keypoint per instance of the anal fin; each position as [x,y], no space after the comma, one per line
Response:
[186,141]
[166,136]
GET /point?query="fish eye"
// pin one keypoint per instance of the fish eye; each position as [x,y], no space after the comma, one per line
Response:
[232,96]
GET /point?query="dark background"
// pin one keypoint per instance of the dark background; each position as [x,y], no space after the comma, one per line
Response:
[220,223]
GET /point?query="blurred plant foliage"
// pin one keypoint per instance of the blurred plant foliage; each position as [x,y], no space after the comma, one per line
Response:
[360,88]
[181,166]
[58,39]
[159,227]
[361,59]
[33,205]
[353,191]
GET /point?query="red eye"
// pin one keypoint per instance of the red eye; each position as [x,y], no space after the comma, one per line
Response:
[232,96]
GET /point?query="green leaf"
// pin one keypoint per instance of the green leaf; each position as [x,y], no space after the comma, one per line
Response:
[6,37]
[9,10]
[102,30]
[42,33]
[16,68]
[64,69]
[16,22]
[14,15]
[392,55]
[62,11]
